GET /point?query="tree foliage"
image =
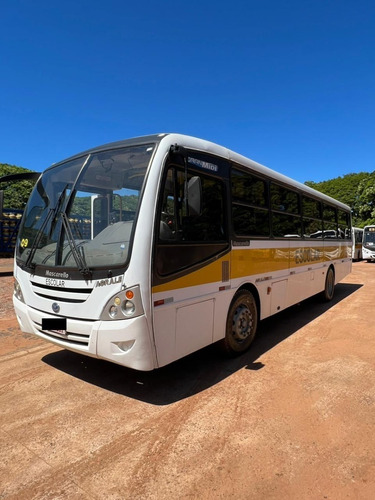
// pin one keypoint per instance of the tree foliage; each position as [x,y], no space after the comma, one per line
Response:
[355,190]
[366,200]
[82,205]
[16,193]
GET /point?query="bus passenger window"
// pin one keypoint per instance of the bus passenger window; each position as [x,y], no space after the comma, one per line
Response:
[249,189]
[179,220]
[312,218]
[286,226]
[249,221]
[344,224]
[250,213]
[284,200]
[311,208]
[312,228]
[329,222]
[286,218]
[190,232]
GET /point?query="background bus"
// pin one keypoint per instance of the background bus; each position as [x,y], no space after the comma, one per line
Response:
[357,239]
[143,251]
[368,246]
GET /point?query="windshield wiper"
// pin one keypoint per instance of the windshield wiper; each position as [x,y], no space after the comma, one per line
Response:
[78,255]
[29,264]
[52,211]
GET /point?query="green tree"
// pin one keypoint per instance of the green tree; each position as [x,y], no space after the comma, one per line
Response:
[365,205]
[343,189]
[16,193]
[355,190]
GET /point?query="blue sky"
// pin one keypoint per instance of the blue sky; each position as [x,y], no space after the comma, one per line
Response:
[290,84]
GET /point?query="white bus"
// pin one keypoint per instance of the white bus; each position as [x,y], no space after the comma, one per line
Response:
[368,245]
[357,238]
[143,251]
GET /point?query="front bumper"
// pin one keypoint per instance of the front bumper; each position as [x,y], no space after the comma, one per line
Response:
[368,254]
[124,342]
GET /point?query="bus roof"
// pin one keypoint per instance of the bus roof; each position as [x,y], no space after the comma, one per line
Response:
[209,147]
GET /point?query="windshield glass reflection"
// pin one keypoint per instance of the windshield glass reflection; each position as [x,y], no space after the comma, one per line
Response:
[81,213]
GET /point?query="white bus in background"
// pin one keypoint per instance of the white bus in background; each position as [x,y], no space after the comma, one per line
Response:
[357,239]
[145,250]
[368,245]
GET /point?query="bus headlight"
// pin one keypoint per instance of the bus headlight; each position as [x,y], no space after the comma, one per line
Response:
[17,291]
[123,305]
[128,308]
[113,311]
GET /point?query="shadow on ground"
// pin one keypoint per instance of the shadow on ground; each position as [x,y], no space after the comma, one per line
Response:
[200,370]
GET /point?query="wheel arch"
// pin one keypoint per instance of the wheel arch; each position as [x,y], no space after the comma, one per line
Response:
[242,320]
[254,291]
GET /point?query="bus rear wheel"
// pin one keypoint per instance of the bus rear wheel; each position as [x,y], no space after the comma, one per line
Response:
[329,287]
[241,324]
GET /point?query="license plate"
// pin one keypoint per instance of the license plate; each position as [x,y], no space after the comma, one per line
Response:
[54,324]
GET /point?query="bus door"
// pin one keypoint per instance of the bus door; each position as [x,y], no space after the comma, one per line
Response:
[191,255]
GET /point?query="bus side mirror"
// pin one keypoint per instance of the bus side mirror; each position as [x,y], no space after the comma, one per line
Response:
[194,196]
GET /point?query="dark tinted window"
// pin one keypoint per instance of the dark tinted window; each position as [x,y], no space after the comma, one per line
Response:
[179,222]
[344,230]
[311,208]
[250,221]
[329,222]
[250,204]
[343,218]
[286,226]
[284,200]
[190,232]
[329,213]
[312,228]
[249,189]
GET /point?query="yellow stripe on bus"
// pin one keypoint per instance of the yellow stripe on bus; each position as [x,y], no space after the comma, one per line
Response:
[247,262]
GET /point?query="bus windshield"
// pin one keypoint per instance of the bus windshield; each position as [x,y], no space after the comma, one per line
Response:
[369,236]
[81,213]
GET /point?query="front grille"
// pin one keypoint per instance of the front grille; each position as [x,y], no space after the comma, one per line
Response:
[72,295]
[69,338]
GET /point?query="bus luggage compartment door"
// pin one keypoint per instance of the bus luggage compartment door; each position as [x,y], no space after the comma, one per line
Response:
[278,296]
[194,327]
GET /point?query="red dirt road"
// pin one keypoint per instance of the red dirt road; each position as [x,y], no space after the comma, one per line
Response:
[294,418]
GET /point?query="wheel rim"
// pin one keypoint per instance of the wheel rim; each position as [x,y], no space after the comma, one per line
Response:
[242,323]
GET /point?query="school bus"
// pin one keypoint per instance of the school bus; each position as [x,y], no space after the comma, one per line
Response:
[145,250]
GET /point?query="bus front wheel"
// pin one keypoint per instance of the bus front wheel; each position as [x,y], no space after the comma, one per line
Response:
[241,324]
[329,287]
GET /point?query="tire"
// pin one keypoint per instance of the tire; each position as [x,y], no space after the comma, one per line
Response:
[329,287]
[242,323]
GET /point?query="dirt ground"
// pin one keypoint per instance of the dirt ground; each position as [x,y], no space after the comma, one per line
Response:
[294,418]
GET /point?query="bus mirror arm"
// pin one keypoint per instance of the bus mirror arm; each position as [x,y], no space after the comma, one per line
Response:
[178,150]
